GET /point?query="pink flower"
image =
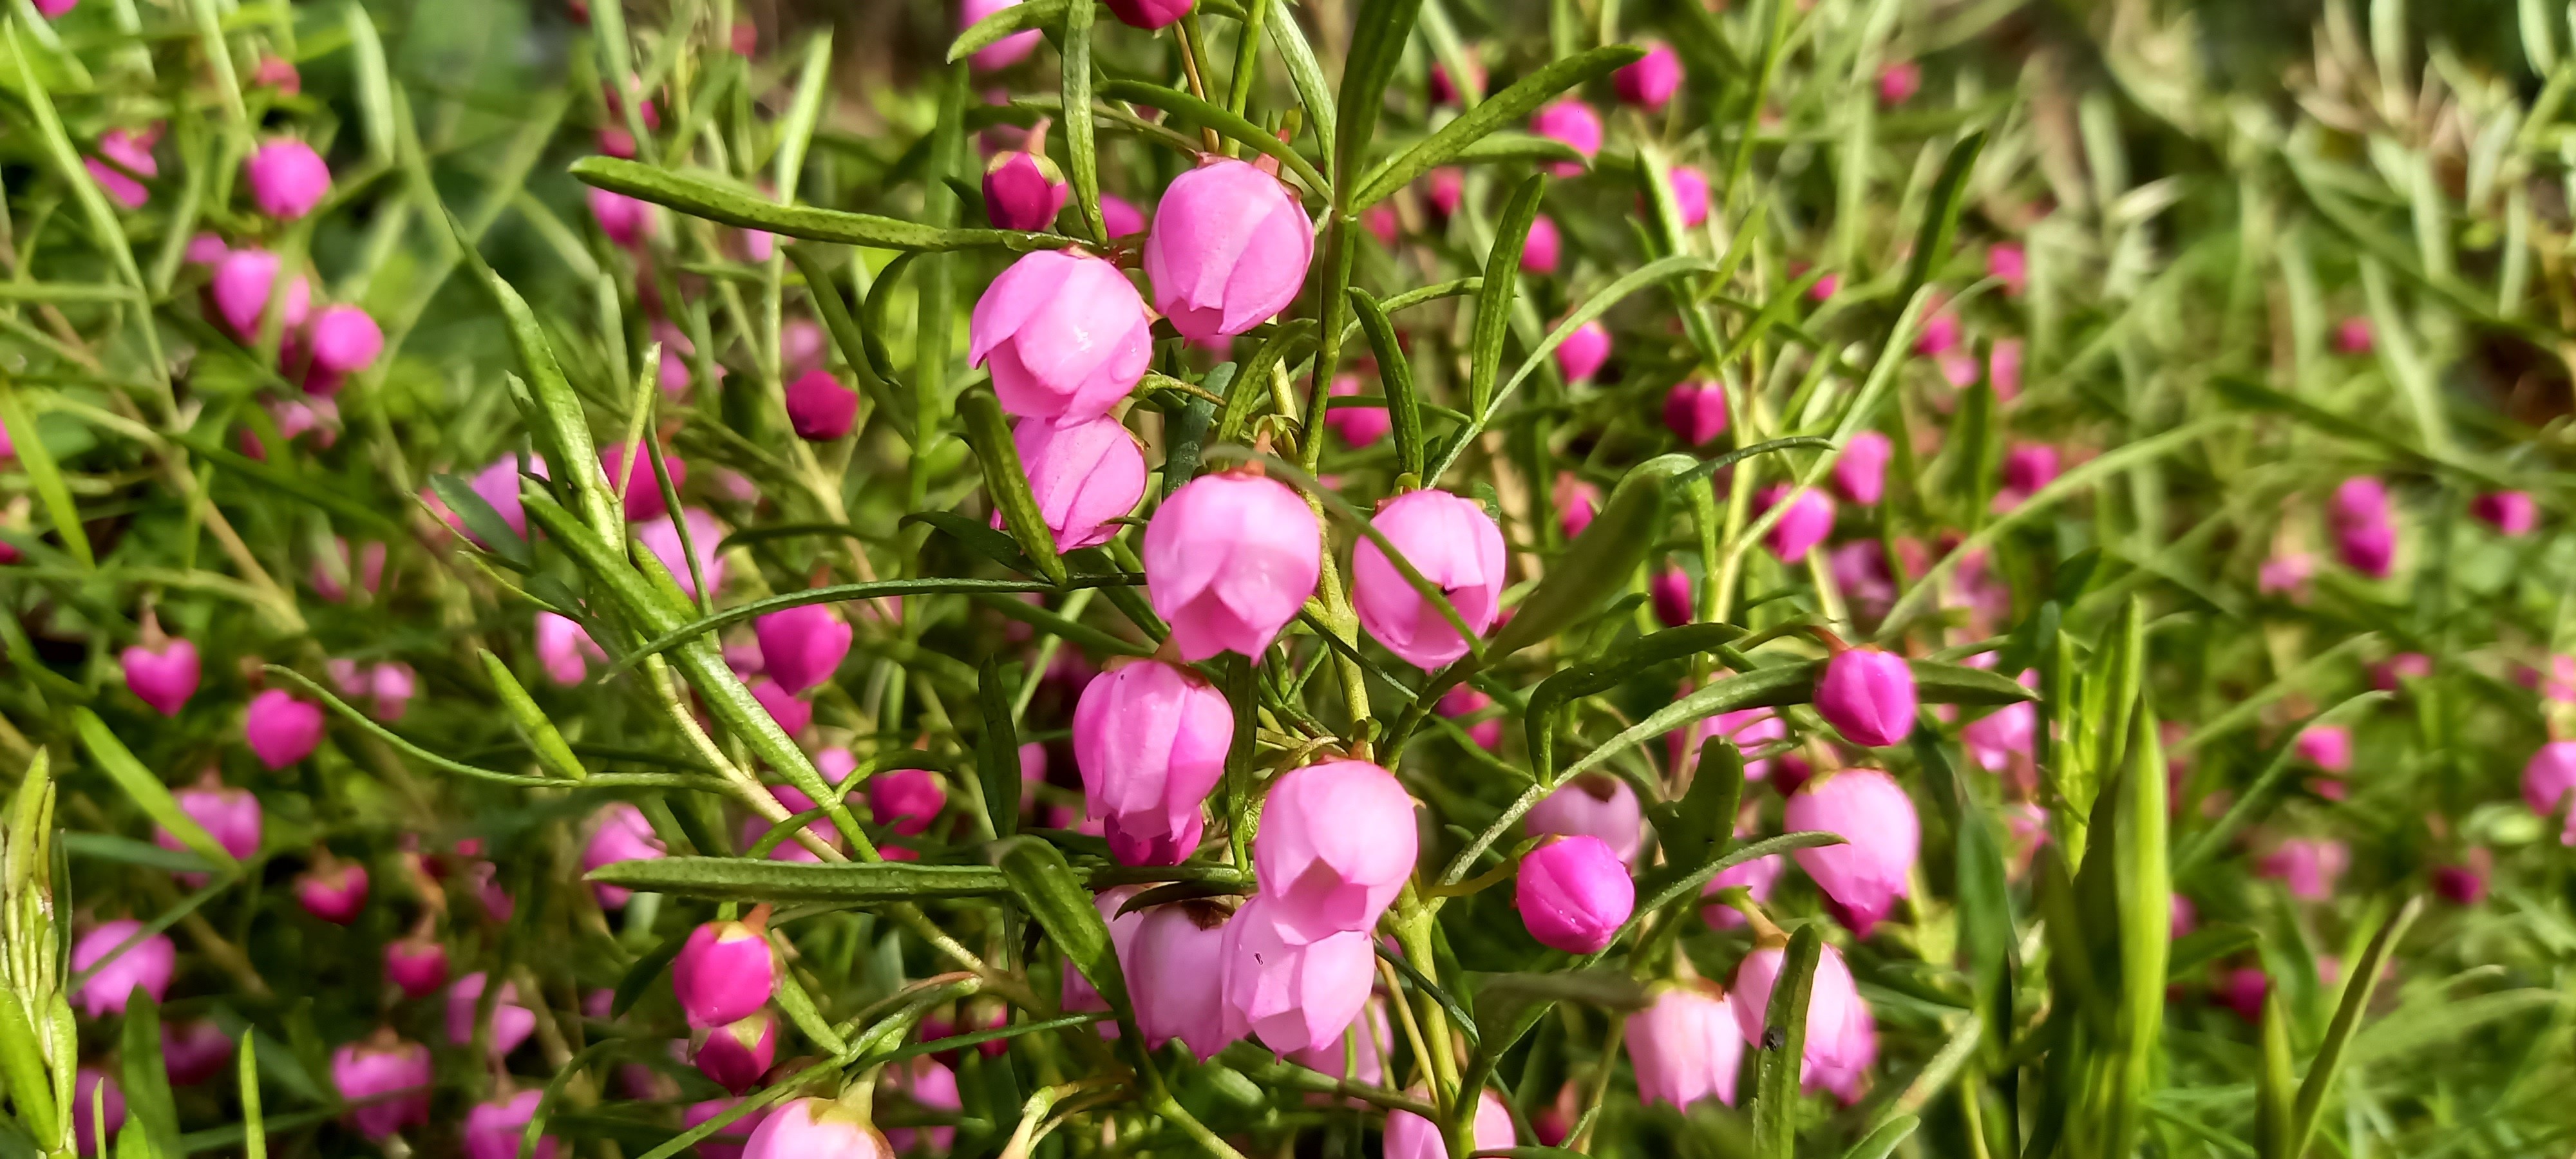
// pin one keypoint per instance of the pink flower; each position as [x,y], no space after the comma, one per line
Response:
[930,1086]
[1757,876]
[1576,503]
[1064,334]
[819,407]
[1358,426]
[280,729]
[1863,877]
[2546,781]
[2286,573]
[1574,123]
[1695,410]
[1447,188]
[1842,1037]
[2391,674]
[1120,216]
[383,1065]
[1861,473]
[1230,559]
[1229,249]
[1410,1136]
[2465,883]
[2008,263]
[1150,740]
[1444,88]
[1584,351]
[1808,521]
[791,713]
[1337,842]
[906,800]
[1690,194]
[240,291]
[2370,550]
[1023,191]
[1939,335]
[618,833]
[626,221]
[730,1140]
[55,10]
[163,677]
[2509,512]
[561,645]
[801,647]
[194,1051]
[92,1085]
[1464,701]
[417,965]
[642,489]
[1175,966]
[146,965]
[724,971]
[2029,467]
[1293,993]
[287,178]
[662,537]
[1685,1047]
[345,340]
[495,1129]
[735,1056]
[1868,696]
[1994,739]
[1003,53]
[816,1128]
[1574,893]
[2327,746]
[511,1023]
[1594,805]
[132,153]
[277,72]
[2353,336]
[1898,82]
[1541,252]
[2003,368]
[335,892]
[1083,474]
[1455,546]
[1652,80]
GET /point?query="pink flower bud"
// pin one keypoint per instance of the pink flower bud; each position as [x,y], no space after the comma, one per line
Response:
[90,1084]
[2509,512]
[1292,992]
[281,730]
[625,221]
[1576,503]
[643,489]
[2327,746]
[729,1140]
[1940,334]
[2003,368]
[619,833]
[287,178]
[2463,884]
[132,153]
[1410,1136]
[2370,549]
[2285,573]
[164,678]
[1671,592]
[1337,841]
[1584,351]
[208,249]
[1083,473]
[2309,866]
[792,714]
[55,9]
[417,964]
[1868,696]
[724,971]
[1993,740]
[2391,674]
[1695,411]
[1542,252]
[1064,334]
[801,647]
[1464,701]
[1757,876]
[1690,195]
[512,1023]
[1231,558]
[2546,781]
[1447,189]
[819,407]
[1150,740]
[383,1065]
[1808,521]
[277,72]
[662,537]
[2353,336]
[1842,1037]
[1358,426]
[735,1056]
[928,1085]
[1595,805]
[2360,501]
[1175,964]
[345,340]
[1861,473]
[1574,893]
[240,291]
[906,800]
[1863,877]
[1652,80]
[147,964]
[1685,1047]
[1457,547]
[1003,53]
[561,646]
[392,684]
[1898,82]
[369,571]
[194,1051]
[1229,249]
[1574,123]
[1023,191]
[335,893]
[495,1129]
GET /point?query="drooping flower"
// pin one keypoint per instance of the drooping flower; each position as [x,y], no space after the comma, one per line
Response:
[1868,696]
[416,964]
[1457,548]
[1842,1036]
[495,1129]
[1410,1136]
[822,1128]
[2509,512]
[1575,124]
[1358,426]
[619,832]
[1593,805]
[2309,866]
[1175,962]
[662,537]
[194,1050]
[1808,521]
[1685,1047]
[1543,251]
[1291,992]
[1584,352]
[1337,842]
[1003,53]
[280,729]
[1023,190]
[1229,250]
[131,153]
[735,1056]
[1861,473]
[366,1072]
[819,407]
[1150,739]
[1229,560]
[725,971]
[511,1023]
[801,647]
[146,965]
[1064,335]
[334,891]
[1652,80]
[1863,877]
[1083,474]
[1695,410]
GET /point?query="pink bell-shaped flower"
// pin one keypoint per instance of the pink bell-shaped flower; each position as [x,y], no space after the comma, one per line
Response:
[1584,352]
[1690,195]
[1358,426]
[1229,559]
[55,9]
[1023,190]
[801,647]
[626,221]
[240,292]
[2463,884]
[132,153]
[1863,877]
[1175,966]
[1868,696]
[1842,1037]
[1652,80]
[2003,368]
[1149,14]
[280,729]
[2546,781]
[344,340]
[1544,250]
[2327,746]
[1575,124]
[2008,263]
[417,965]
[1150,739]
[2509,512]
[147,964]
[1003,53]
[1228,251]
[730,1140]
[642,489]
[1457,547]
[1808,521]
[619,832]
[230,816]
[93,1085]
[1685,1047]
[1695,411]
[1993,740]
[1670,592]
[1083,474]
[2309,866]
[1576,503]
[1464,701]
[194,1051]
[1574,893]
[1337,842]
[1120,216]
[512,1023]
[662,537]
[561,647]
[735,1056]
[1757,876]
[2029,467]
[287,178]
[1064,335]
[906,800]
[163,677]
[929,1085]
[819,1128]
[1861,473]
[819,407]
[725,971]
[1293,993]
[1410,1136]
[334,891]
[1593,805]
[495,1129]
[366,1072]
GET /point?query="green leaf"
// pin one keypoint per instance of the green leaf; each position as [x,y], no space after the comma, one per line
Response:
[554,413]
[1395,372]
[854,883]
[1378,34]
[145,790]
[482,520]
[254,1125]
[1007,482]
[531,722]
[1773,687]
[1501,999]
[979,538]
[1607,673]
[1777,1058]
[639,978]
[1507,107]
[294,484]
[1941,218]
[1017,18]
[1251,388]
[1073,632]
[2275,1085]
[1984,889]
[1304,73]
[37,460]
[997,749]
[834,594]
[1192,110]
[796,132]
[1694,830]
[1599,563]
[1079,146]
[22,1067]
[374,85]
[2361,978]
[1494,297]
[848,337]
[407,748]
[148,1106]
[1884,1141]
[700,197]
[1047,888]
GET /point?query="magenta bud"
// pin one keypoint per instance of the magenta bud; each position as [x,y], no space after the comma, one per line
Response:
[729,1141]
[287,178]
[417,965]
[2509,512]
[1695,410]
[643,488]
[819,407]
[791,713]
[1444,88]
[2243,991]
[624,220]
[194,1051]
[1842,1037]
[1690,195]
[2327,746]
[1120,216]
[1671,592]
[512,1023]
[1454,545]
[1231,558]
[931,1086]
[345,340]
[1023,191]
[2353,336]
[1003,53]
[1993,740]
[1149,14]
[55,10]
[619,833]
[1861,473]
[2392,674]
[1594,805]
[1083,474]
[1543,251]
[2360,501]
[1652,80]
[1868,696]
[1898,82]
[1446,187]
[1685,1047]
[734,1056]
[2309,866]
[1574,893]
[1150,740]
[906,800]
[2370,549]
[2029,467]
[1808,521]
[2546,781]
[725,971]
[1861,878]
[281,730]
[818,1128]
[112,980]
[1175,964]
[562,646]
[1576,503]
[2464,884]
[495,1130]
[1464,701]
[2003,368]
[1584,352]
[365,1072]
[801,647]
[1940,334]
[1337,842]
[1292,992]
[1576,125]
[1410,1136]
[230,816]
[2010,264]
[240,290]
[335,893]
[1064,334]
[662,538]
[92,1085]
[1358,426]
[132,151]
[1229,250]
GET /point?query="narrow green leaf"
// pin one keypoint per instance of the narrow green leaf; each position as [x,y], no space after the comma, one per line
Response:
[1251,389]
[1079,146]
[848,337]
[1884,1141]
[1192,110]
[127,850]
[990,30]
[254,1124]
[145,790]
[1694,830]
[1507,107]
[997,749]
[1777,1058]
[796,133]
[1395,373]
[1047,888]
[1376,47]
[22,1067]
[148,1105]
[699,197]
[482,520]
[646,970]
[374,83]
[979,538]
[1941,217]
[843,883]
[2361,979]
[683,633]
[1494,297]
[1072,632]
[294,484]
[1307,76]
[1599,563]
[1607,673]
[554,412]
[407,748]
[2276,1085]
[531,722]
[37,460]
[1006,481]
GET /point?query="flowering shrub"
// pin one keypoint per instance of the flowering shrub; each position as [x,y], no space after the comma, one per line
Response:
[1264,577]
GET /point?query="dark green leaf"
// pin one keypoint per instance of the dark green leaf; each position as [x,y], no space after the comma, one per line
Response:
[1607,673]
[1494,297]
[37,461]
[1600,562]
[1777,1058]
[146,790]
[847,883]
[2361,978]
[1395,373]
[1376,47]
[997,749]
[148,1106]
[700,197]
[1007,482]
[1941,217]
[482,520]
[1037,874]
[640,977]
[1694,830]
